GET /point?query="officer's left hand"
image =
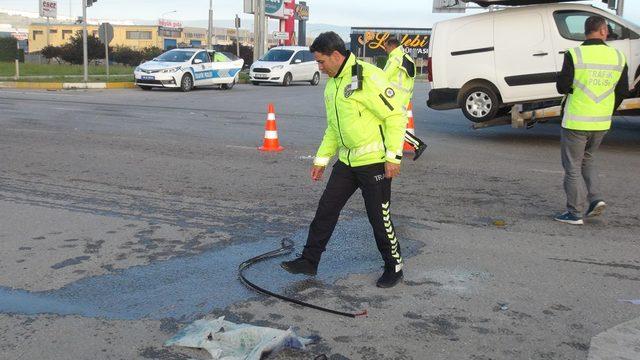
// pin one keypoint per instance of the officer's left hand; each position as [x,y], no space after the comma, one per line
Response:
[391,170]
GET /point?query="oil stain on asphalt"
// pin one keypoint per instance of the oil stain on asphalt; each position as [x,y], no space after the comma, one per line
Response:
[188,287]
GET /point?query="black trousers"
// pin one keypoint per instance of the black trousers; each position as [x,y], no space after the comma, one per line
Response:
[376,191]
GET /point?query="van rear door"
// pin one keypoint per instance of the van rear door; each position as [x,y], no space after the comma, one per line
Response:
[525,62]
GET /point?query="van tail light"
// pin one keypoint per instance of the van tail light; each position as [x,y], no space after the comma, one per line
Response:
[429,69]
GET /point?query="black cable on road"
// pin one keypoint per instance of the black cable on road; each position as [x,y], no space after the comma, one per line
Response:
[285,249]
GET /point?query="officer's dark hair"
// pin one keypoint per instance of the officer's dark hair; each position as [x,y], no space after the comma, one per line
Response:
[393,41]
[328,42]
[593,24]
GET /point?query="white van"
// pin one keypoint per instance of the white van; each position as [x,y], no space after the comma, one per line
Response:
[285,64]
[486,62]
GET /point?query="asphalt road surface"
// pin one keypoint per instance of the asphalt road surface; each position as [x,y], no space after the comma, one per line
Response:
[124,215]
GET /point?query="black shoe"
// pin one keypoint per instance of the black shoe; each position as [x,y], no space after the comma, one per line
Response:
[300,266]
[419,150]
[390,277]
[596,208]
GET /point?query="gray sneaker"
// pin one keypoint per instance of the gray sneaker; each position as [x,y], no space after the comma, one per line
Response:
[596,208]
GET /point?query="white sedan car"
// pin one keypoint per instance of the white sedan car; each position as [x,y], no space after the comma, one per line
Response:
[188,68]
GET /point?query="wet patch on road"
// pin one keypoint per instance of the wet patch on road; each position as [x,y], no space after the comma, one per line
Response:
[189,287]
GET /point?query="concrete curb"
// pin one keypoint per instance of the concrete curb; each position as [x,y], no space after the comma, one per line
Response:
[65,86]
[621,342]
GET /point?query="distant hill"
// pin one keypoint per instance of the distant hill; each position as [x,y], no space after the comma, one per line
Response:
[23,19]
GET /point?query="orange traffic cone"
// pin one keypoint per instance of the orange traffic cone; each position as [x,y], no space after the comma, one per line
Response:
[410,128]
[271,133]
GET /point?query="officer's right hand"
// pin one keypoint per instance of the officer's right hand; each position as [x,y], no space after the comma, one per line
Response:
[316,172]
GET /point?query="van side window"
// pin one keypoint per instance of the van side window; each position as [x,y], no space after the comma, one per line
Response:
[570,24]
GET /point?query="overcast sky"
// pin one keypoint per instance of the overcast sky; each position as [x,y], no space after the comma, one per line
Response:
[407,13]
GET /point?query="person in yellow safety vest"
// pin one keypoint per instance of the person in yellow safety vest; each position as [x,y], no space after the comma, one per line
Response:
[219,57]
[365,127]
[401,73]
[594,78]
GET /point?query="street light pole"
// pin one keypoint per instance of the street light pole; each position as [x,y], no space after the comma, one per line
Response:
[210,29]
[84,41]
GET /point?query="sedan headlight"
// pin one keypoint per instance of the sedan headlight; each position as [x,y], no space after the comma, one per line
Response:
[165,71]
[137,69]
[278,67]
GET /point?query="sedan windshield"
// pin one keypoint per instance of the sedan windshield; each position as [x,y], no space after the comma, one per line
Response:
[175,56]
[277,55]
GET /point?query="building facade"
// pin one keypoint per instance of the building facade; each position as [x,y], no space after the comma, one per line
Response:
[138,36]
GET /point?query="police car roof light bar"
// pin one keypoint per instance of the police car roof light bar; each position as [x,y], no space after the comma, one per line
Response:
[285,249]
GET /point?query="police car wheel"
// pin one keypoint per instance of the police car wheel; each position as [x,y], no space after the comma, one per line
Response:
[480,103]
[228,86]
[255,83]
[287,79]
[316,79]
[145,87]
[186,84]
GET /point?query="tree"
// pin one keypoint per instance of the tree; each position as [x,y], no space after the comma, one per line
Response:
[8,49]
[52,52]
[72,52]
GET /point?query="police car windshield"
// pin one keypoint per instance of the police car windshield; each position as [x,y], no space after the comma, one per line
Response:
[175,56]
[277,55]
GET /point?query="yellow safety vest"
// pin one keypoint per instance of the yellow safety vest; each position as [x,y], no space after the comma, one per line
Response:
[598,68]
[363,126]
[401,73]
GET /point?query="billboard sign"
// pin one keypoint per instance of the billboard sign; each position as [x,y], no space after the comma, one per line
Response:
[169,24]
[302,11]
[416,44]
[48,8]
[449,6]
[274,8]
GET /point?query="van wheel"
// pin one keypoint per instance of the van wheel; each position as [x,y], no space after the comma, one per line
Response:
[287,79]
[480,103]
[316,79]
[186,84]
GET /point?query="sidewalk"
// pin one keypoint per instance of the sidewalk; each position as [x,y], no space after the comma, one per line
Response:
[621,342]
[66,85]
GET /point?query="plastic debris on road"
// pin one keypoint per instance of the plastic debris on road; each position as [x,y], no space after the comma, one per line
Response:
[225,340]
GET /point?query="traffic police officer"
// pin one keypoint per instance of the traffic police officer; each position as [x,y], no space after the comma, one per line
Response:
[366,125]
[401,74]
[594,76]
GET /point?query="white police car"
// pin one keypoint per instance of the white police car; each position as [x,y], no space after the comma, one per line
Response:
[188,68]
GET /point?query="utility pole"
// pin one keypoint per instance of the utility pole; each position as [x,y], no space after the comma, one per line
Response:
[620,8]
[48,31]
[210,29]
[237,24]
[84,41]
[256,30]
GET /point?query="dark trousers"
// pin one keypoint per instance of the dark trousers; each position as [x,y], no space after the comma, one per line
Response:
[376,191]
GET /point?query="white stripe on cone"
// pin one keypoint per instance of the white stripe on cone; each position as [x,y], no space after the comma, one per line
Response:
[271,116]
[268,134]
